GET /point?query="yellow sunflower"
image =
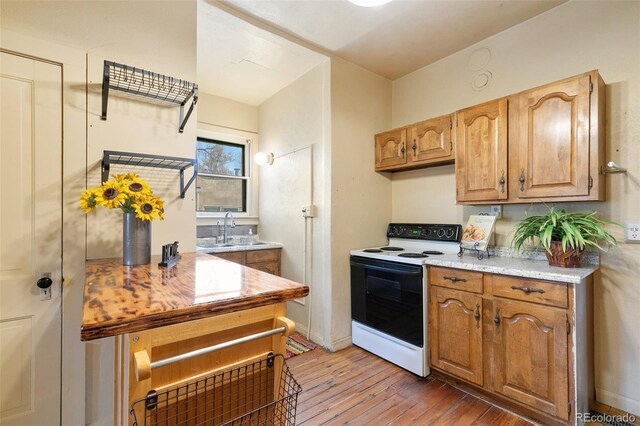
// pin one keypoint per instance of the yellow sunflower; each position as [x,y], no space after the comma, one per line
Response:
[126,176]
[110,195]
[146,209]
[88,200]
[159,202]
[136,187]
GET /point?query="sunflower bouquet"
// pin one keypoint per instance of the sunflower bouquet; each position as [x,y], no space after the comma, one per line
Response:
[126,192]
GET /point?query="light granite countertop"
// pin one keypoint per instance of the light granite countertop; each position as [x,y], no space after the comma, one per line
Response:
[264,245]
[515,266]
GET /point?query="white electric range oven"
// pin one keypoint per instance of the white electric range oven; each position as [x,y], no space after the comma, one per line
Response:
[389,292]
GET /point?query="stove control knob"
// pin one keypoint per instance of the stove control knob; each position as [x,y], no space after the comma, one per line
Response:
[440,232]
[449,233]
[426,232]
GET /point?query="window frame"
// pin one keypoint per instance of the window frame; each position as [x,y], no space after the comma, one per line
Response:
[248,178]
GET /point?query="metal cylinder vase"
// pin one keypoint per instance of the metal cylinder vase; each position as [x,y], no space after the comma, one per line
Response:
[136,240]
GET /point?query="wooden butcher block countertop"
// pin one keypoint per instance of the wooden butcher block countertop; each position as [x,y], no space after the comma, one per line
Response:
[123,299]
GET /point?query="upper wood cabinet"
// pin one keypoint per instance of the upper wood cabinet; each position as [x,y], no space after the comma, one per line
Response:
[422,144]
[550,131]
[548,147]
[481,159]
[391,149]
[431,142]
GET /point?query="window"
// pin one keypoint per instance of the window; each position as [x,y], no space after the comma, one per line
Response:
[221,185]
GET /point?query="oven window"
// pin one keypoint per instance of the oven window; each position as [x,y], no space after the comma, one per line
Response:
[389,299]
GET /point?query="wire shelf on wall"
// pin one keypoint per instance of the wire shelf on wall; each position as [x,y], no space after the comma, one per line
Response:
[148,160]
[149,85]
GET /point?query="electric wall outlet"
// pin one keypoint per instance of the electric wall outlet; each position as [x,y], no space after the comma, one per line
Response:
[496,211]
[632,232]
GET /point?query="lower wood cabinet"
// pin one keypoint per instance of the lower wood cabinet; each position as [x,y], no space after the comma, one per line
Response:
[456,333]
[530,354]
[267,260]
[526,343]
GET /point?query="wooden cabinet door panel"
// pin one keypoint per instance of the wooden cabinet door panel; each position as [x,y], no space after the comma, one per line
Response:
[481,152]
[430,140]
[530,354]
[232,256]
[267,255]
[270,267]
[455,333]
[553,140]
[391,149]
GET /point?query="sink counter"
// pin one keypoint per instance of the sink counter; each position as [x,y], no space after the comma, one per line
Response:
[123,299]
[226,248]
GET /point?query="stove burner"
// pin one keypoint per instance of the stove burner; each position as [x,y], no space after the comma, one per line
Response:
[372,251]
[432,252]
[412,255]
[392,248]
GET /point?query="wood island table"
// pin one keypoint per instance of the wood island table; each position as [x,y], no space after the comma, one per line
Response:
[178,325]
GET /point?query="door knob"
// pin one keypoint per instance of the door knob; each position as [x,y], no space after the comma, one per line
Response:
[44,282]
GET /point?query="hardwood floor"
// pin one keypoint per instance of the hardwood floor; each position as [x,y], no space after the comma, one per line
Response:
[354,387]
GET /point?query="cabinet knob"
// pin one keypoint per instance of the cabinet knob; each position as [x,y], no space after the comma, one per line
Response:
[496,319]
[415,147]
[402,149]
[521,180]
[502,182]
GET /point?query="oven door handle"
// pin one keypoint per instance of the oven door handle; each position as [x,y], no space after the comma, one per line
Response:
[387,269]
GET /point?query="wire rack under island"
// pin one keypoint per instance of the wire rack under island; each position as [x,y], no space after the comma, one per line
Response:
[259,393]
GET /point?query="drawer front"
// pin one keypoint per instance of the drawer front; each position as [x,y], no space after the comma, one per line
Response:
[233,256]
[543,292]
[456,278]
[257,256]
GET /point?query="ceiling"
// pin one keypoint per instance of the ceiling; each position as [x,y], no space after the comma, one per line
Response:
[248,50]
[252,62]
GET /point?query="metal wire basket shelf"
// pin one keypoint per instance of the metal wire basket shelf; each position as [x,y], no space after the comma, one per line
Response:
[259,393]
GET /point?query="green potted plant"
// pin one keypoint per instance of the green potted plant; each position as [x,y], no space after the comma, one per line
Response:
[563,235]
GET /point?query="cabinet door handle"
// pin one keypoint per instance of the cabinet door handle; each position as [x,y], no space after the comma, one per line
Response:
[502,181]
[415,147]
[476,315]
[496,319]
[402,150]
[521,180]
[455,279]
[527,290]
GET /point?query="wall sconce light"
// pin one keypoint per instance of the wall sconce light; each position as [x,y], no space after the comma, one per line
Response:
[263,158]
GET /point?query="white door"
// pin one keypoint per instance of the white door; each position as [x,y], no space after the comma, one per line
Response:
[30,240]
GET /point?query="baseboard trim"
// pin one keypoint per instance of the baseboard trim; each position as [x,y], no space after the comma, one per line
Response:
[314,337]
[620,402]
[340,344]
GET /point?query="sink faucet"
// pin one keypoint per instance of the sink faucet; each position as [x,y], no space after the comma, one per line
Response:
[227,216]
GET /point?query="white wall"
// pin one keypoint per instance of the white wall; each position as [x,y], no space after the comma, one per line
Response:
[360,197]
[570,39]
[81,35]
[292,120]
[73,351]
